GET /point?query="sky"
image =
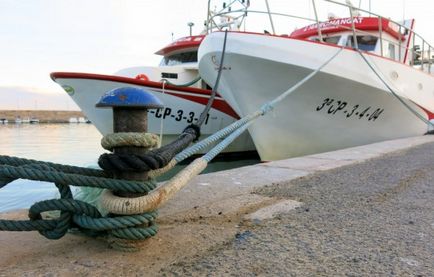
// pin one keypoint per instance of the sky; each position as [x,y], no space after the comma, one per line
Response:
[103,36]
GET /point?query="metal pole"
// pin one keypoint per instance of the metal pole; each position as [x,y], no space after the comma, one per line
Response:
[208,17]
[190,25]
[317,21]
[353,26]
[412,50]
[421,54]
[380,29]
[269,15]
[400,43]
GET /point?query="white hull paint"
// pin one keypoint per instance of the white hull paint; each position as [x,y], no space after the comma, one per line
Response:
[258,68]
[87,92]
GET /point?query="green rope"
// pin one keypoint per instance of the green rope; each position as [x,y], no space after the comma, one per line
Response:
[14,161]
[12,173]
[75,213]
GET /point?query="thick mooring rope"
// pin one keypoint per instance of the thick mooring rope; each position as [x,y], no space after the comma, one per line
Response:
[122,230]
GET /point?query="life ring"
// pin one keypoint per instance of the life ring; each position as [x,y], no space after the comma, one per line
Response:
[142,77]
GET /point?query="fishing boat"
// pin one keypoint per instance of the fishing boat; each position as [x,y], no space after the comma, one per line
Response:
[378,86]
[73,120]
[25,120]
[176,82]
[34,120]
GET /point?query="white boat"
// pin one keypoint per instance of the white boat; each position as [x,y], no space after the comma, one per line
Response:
[346,104]
[4,121]
[18,120]
[73,120]
[183,104]
[25,120]
[81,120]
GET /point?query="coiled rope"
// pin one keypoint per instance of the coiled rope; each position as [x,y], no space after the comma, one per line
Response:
[121,230]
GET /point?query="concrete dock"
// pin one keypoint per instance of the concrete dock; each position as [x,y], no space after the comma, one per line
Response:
[360,211]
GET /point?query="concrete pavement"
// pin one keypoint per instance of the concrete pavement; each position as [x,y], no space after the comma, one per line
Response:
[361,211]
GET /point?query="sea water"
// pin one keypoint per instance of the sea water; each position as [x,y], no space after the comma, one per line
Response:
[73,144]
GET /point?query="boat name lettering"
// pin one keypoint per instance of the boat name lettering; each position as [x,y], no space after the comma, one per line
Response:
[334,23]
[178,115]
[333,106]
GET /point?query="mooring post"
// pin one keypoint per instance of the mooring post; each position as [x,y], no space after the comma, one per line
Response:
[130,114]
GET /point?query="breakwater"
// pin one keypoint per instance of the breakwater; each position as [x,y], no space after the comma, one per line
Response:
[43,116]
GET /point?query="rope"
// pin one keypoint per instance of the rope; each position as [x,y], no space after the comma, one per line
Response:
[192,82]
[75,213]
[11,173]
[144,140]
[165,192]
[14,161]
[160,158]
[393,92]
[216,85]
[129,219]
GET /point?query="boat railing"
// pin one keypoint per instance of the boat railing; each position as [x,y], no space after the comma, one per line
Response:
[419,48]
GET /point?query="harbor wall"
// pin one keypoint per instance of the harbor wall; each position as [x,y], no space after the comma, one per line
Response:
[43,116]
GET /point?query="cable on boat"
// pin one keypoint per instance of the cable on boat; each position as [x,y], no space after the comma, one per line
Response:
[429,123]
[163,91]
[159,158]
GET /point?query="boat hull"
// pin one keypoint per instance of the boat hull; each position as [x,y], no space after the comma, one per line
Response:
[340,107]
[181,108]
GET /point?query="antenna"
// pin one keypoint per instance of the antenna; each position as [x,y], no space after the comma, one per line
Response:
[403,10]
[190,24]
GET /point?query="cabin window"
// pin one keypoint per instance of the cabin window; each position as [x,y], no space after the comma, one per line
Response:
[332,40]
[180,58]
[365,43]
[391,51]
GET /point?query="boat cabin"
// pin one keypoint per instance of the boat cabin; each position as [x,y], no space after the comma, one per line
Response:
[181,51]
[378,36]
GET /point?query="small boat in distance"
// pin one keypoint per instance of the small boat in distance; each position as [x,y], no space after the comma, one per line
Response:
[33,120]
[4,121]
[73,120]
[378,87]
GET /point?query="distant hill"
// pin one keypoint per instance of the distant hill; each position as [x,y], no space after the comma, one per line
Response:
[22,98]
[43,116]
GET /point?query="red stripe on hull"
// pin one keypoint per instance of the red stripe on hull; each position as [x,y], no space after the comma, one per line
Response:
[218,104]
